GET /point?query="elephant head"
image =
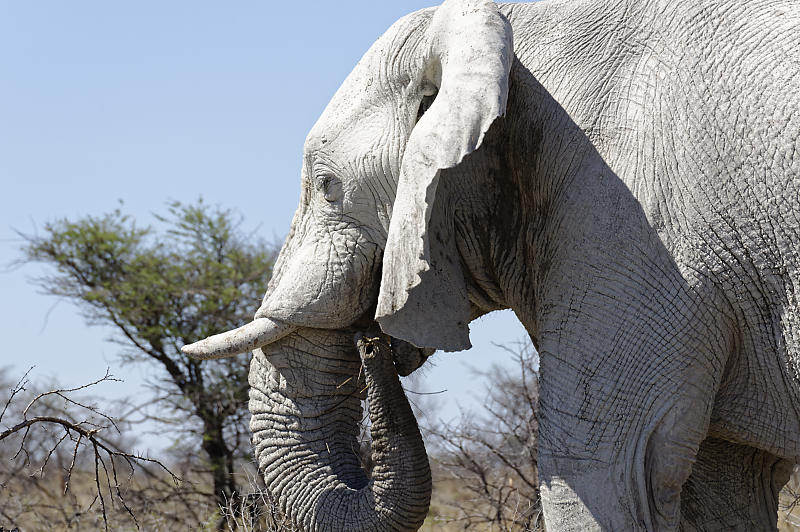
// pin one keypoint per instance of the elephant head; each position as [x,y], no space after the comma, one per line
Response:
[363,248]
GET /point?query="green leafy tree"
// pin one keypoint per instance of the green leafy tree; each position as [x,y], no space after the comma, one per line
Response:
[196,275]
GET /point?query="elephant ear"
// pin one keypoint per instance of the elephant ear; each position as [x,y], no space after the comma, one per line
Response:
[423,297]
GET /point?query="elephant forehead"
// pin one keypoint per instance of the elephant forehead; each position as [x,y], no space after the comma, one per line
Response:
[355,133]
[382,77]
[360,122]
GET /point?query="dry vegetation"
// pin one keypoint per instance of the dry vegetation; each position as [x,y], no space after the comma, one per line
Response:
[74,473]
[789,505]
[64,466]
[484,466]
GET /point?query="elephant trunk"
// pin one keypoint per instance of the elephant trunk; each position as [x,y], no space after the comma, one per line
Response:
[306,392]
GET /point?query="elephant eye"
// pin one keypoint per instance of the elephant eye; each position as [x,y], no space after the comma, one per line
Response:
[332,188]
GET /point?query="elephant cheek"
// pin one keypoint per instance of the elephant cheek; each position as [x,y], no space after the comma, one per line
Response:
[325,284]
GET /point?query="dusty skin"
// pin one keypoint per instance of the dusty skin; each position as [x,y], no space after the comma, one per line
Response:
[624,176]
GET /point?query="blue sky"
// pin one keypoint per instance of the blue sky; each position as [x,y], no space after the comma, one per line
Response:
[150,101]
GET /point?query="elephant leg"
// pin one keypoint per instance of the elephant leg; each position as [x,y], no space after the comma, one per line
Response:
[625,403]
[732,487]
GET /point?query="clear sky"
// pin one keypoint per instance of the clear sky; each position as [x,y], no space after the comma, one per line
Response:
[149,101]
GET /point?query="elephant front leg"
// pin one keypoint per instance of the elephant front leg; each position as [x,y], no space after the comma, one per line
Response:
[616,477]
[732,487]
[623,409]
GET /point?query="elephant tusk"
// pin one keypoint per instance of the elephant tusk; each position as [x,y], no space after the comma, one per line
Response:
[257,333]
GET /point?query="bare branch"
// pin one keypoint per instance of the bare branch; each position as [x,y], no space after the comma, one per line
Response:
[60,393]
[488,461]
[83,433]
[19,387]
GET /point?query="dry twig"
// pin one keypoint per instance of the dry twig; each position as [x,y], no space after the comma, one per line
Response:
[83,433]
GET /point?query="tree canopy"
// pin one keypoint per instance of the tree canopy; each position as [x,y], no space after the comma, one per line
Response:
[192,274]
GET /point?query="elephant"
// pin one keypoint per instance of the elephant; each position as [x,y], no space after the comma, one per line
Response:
[625,176]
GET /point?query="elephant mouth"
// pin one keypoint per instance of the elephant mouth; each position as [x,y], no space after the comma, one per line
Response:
[407,357]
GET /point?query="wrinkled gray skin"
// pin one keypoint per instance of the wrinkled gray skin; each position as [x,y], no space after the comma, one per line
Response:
[636,204]
[306,439]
